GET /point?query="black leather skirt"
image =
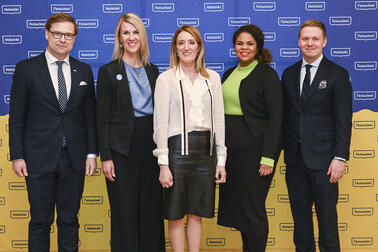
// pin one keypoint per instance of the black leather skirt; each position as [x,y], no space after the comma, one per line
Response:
[193,190]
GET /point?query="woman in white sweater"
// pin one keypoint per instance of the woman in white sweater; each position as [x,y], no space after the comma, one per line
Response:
[189,134]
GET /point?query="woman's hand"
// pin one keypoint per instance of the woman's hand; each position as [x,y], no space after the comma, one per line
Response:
[165,177]
[220,174]
[265,170]
[108,170]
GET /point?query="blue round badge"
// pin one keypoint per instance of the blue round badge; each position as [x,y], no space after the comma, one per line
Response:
[119,77]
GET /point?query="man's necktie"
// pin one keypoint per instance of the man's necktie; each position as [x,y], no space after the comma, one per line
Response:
[62,89]
[306,83]
[62,93]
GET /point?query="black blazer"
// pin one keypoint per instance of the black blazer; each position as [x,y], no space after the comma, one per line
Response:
[115,112]
[36,123]
[260,95]
[323,123]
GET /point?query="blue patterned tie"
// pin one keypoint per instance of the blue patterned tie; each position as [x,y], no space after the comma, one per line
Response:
[62,94]
[62,89]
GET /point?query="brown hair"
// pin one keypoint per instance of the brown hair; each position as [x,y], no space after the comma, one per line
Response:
[144,51]
[263,55]
[313,23]
[174,60]
[60,17]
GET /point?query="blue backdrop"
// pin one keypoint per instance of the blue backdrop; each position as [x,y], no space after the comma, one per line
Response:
[352,43]
[351,26]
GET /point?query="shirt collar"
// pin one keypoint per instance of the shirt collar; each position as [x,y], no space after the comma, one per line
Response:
[315,64]
[51,59]
[183,76]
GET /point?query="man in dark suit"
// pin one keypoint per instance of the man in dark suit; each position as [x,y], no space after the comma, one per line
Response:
[52,134]
[317,132]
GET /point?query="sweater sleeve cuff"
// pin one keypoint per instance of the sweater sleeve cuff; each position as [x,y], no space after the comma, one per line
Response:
[267,161]
[163,159]
[221,160]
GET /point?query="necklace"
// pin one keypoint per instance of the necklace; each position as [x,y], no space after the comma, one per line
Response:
[141,79]
[138,72]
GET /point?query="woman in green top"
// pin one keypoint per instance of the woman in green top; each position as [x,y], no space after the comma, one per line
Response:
[253,106]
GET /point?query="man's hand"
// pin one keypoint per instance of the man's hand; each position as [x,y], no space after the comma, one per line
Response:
[108,170]
[90,166]
[19,167]
[336,170]
[165,177]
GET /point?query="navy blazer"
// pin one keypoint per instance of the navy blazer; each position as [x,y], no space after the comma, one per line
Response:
[36,123]
[115,111]
[260,95]
[323,123]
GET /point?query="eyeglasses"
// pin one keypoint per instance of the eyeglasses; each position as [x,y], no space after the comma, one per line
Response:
[58,35]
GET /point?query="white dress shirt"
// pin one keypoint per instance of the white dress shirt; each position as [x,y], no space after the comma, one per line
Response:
[313,70]
[53,69]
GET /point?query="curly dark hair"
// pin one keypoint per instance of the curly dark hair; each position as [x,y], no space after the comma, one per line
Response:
[263,55]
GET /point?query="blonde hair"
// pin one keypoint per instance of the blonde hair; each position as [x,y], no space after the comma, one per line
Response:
[144,51]
[313,23]
[174,60]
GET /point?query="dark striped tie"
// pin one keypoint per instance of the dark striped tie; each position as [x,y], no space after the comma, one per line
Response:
[62,94]
[306,83]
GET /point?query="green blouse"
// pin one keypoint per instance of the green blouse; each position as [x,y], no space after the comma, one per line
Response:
[231,86]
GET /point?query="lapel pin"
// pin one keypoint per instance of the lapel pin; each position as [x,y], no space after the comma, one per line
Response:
[119,77]
[75,70]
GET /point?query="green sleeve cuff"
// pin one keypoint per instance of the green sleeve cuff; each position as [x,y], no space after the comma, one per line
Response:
[267,161]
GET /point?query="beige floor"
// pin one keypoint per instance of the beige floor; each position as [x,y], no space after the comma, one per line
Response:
[237,250]
[234,250]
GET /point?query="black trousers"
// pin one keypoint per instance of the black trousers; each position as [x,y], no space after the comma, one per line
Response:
[135,196]
[305,187]
[62,188]
[254,243]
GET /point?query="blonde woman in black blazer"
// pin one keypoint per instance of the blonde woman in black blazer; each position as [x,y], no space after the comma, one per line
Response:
[253,106]
[125,89]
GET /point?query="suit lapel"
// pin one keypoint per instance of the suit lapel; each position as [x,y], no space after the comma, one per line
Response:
[75,80]
[296,87]
[120,69]
[44,74]
[151,79]
[320,75]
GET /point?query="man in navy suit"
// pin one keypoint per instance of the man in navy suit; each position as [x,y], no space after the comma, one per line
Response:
[52,134]
[317,132]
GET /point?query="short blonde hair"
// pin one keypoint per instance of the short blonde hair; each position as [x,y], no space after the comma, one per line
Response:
[174,60]
[144,51]
[313,23]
